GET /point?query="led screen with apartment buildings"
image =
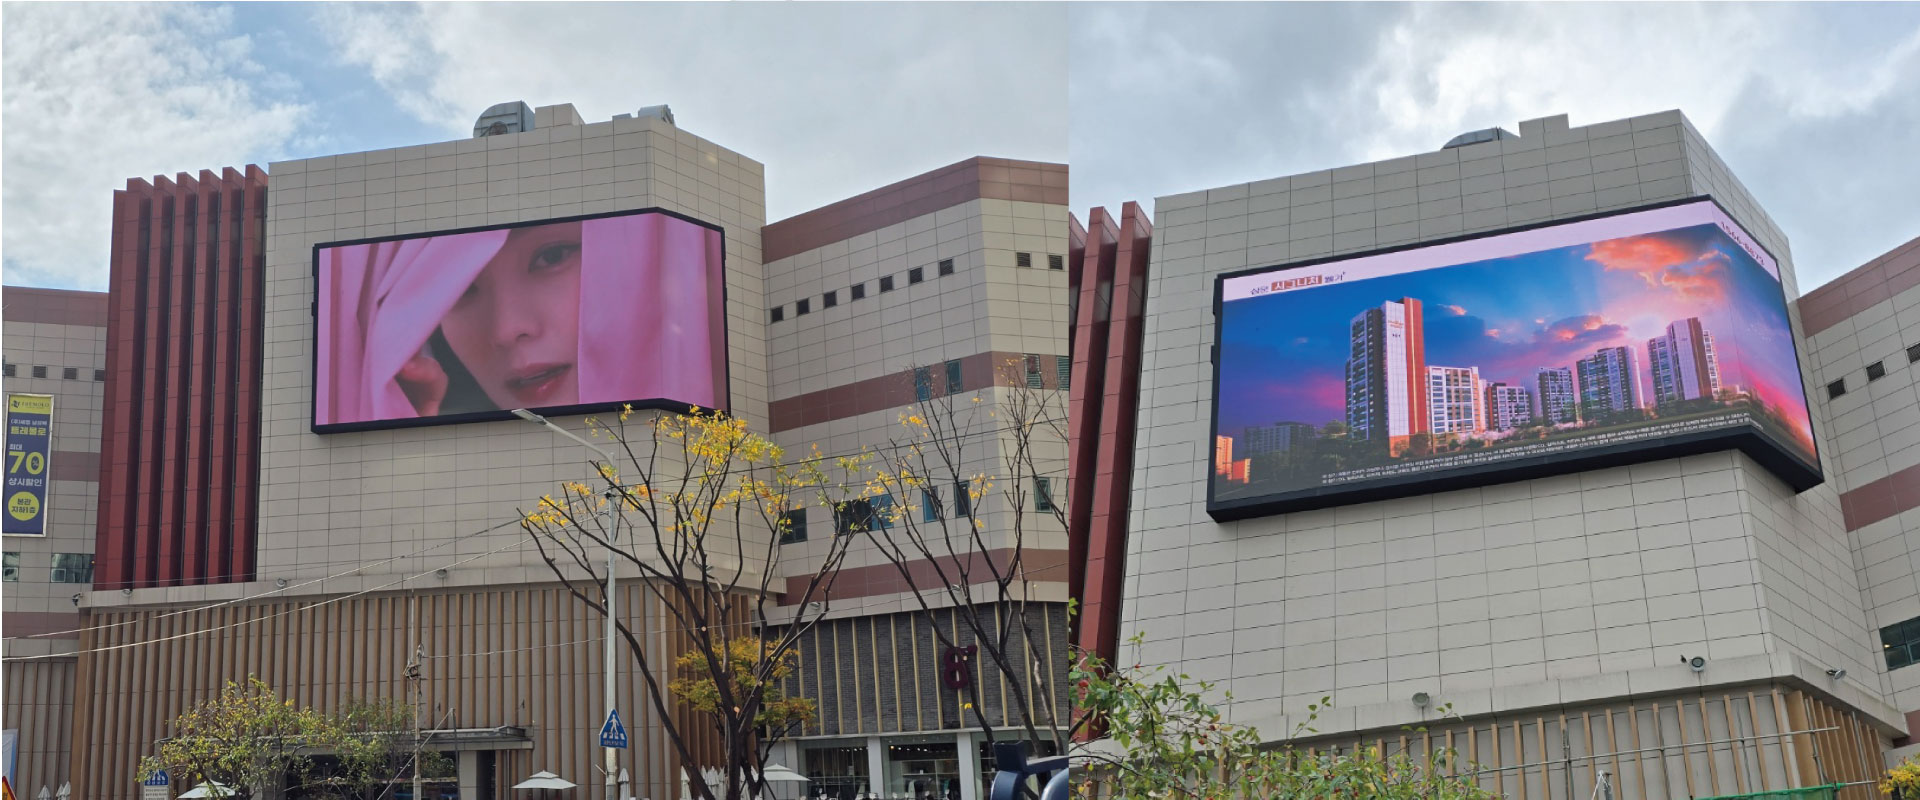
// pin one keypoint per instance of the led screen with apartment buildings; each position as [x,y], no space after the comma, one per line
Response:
[564,315]
[1605,340]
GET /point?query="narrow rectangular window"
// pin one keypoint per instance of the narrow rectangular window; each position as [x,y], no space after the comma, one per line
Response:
[858,292]
[1055,261]
[886,283]
[73,568]
[830,299]
[916,275]
[793,526]
[930,510]
[1033,371]
[946,266]
[1836,388]
[1063,365]
[962,499]
[1913,355]
[1876,371]
[10,567]
[883,511]
[779,313]
[1042,494]
[801,308]
[99,375]
[954,384]
[922,384]
[1023,260]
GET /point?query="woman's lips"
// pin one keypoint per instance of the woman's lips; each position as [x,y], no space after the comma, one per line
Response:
[536,385]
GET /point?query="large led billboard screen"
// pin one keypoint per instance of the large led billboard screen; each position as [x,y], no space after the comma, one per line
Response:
[1611,339]
[562,316]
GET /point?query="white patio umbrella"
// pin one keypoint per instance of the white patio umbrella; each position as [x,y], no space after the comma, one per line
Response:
[545,780]
[777,773]
[208,789]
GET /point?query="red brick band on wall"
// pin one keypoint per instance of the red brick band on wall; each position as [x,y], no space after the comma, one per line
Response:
[897,390]
[1877,280]
[1877,500]
[56,306]
[1108,270]
[918,196]
[180,445]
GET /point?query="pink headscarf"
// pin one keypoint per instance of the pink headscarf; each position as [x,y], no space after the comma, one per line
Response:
[650,316]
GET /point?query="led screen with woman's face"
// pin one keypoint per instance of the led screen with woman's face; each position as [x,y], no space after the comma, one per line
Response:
[555,316]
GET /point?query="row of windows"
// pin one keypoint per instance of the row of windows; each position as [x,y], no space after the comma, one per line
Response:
[878,513]
[67,567]
[858,291]
[1875,371]
[11,370]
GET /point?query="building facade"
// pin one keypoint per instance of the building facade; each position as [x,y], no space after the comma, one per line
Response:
[1508,407]
[237,539]
[1683,364]
[1387,393]
[1553,618]
[55,344]
[1457,400]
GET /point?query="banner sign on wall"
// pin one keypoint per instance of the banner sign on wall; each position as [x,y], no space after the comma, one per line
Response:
[29,451]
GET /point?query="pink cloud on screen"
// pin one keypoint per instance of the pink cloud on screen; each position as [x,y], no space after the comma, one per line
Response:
[648,317]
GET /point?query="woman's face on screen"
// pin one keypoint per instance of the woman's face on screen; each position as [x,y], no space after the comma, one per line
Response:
[517,328]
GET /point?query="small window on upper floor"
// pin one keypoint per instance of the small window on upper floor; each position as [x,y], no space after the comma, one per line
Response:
[1913,354]
[1876,371]
[793,526]
[1023,259]
[1836,388]
[6,370]
[1901,643]
[70,374]
[1064,364]
[1042,494]
[10,567]
[779,313]
[930,506]
[946,266]
[1033,371]
[962,499]
[857,292]
[886,283]
[830,299]
[852,516]
[1056,261]
[99,375]
[916,275]
[73,568]
[922,384]
[954,383]
[39,372]
[802,307]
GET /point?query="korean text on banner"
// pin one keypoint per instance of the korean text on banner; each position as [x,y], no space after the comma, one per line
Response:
[29,452]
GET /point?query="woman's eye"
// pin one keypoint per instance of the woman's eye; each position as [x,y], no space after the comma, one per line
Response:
[553,256]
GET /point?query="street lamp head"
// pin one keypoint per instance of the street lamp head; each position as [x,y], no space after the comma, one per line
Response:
[529,416]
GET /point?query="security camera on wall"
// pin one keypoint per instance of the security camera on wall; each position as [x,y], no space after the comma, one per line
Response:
[1696,663]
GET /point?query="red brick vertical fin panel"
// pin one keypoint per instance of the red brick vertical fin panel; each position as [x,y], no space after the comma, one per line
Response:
[1090,264]
[193,523]
[228,265]
[246,387]
[1120,396]
[152,420]
[173,380]
[113,543]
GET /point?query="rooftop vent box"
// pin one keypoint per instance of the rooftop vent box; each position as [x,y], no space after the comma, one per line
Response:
[1476,137]
[514,117]
[660,111]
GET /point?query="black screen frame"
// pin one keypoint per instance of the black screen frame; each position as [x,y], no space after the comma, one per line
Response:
[1776,456]
[655,403]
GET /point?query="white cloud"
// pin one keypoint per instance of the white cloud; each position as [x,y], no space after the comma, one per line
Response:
[870,94]
[96,94]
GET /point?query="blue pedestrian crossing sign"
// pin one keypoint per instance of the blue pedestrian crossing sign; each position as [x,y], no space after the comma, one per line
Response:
[158,778]
[613,734]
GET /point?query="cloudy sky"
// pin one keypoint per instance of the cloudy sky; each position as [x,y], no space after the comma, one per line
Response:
[834,99]
[1815,107]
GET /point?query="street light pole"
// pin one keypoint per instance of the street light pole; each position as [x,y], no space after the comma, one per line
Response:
[612,523]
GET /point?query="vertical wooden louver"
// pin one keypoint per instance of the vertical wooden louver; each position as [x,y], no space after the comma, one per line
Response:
[180,444]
